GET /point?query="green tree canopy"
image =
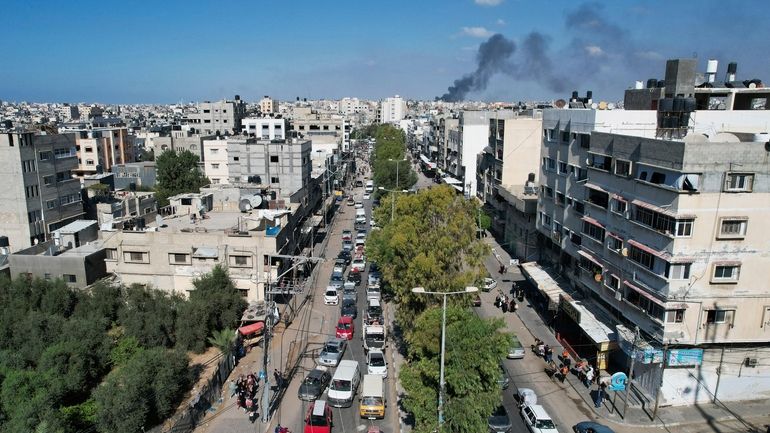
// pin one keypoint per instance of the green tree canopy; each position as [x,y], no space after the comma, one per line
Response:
[389,155]
[431,243]
[177,173]
[474,348]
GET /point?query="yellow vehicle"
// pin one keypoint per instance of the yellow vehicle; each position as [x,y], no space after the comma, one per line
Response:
[372,400]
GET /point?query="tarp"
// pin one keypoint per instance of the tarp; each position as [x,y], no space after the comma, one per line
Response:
[251,329]
[452,181]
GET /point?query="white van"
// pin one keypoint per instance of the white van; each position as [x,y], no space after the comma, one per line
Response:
[372,398]
[344,384]
[369,186]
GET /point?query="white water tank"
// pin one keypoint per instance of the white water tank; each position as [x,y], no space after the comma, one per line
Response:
[711,70]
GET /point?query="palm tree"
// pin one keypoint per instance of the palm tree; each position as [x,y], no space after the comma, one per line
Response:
[223,340]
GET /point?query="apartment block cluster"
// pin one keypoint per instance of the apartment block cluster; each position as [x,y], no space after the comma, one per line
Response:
[640,224]
[78,201]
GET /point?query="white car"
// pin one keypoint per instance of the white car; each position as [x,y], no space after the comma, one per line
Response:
[359,204]
[331,296]
[358,265]
[537,419]
[367,196]
[489,284]
[376,364]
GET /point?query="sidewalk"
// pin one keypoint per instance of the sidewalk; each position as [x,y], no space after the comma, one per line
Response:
[753,415]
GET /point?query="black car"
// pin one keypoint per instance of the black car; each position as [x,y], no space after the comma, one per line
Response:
[349,308]
[376,202]
[499,421]
[345,255]
[591,427]
[355,277]
[314,384]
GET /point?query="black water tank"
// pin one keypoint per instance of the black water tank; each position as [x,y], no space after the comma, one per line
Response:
[689,105]
[666,105]
[652,83]
[574,94]
[589,94]
[140,223]
[678,104]
[732,68]
[4,241]
[661,83]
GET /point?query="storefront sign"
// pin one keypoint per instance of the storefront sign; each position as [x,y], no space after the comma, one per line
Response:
[684,357]
[618,382]
[569,309]
[649,356]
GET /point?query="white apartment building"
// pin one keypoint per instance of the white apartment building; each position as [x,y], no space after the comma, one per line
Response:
[392,110]
[657,219]
[265,128]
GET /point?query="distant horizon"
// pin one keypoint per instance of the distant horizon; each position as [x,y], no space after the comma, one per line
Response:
[493,51]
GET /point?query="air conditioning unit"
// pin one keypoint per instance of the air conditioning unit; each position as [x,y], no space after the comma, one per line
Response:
[750,362]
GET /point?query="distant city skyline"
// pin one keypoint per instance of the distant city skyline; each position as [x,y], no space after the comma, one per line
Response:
[176,51]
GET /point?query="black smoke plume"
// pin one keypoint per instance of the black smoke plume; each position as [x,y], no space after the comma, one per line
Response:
[492,58]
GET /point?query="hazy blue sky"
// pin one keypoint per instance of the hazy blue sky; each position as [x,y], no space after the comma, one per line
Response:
[167,51]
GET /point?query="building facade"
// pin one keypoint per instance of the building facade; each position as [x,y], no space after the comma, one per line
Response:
[392,110]
[222,116]
[268,105]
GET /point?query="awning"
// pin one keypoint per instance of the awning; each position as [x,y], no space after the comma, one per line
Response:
[590,258]
[541,279]
[424,159]
[251,329]
[593,322]
[206,252]
[660,254]
[594,186]
[653,208]
[592,221]
[452,181]
[457,187]
[619,197]
[644,293]
[614,235]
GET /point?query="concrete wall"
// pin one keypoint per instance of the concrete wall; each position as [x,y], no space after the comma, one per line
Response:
[86,264]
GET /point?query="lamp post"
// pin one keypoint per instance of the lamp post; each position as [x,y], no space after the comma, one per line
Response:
[421,290]
[397,161]
[392,200]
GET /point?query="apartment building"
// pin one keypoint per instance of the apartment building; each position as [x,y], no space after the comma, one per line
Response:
[99,149]
[180,139]
[40,193]
[328,133]
[265,128]
[655,219]
[222,116]
[141,174]
[392,110]
[67,113]
[282,165]
[507,177]
[268,105]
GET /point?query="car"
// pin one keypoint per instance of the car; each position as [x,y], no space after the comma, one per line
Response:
[339,267]
[373,429]
[358,265]
[345,255]
[359,204]
[360,183]
[347,235]
[525,396]
[332,352]
[347,245]
[537,419]
[504,381]
[345,328]
[376,202]
[373,312]
[354,278]
[489,284]
[375,363]
[349,291]
[591,427]
[367,196]
[373,278]
[373,292]
[336,281]
[314,383]
[360,243]
[499,421]
[331,297]
[349,307]
[516,351]
[477,301]
[351,202]
[319,418]
[339,261]
[361,233]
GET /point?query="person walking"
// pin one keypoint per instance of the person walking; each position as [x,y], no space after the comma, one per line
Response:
[600,391]
[548,354]
[564,372]
[565,358]
[589,377]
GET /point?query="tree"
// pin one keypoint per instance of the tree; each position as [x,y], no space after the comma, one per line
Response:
[177,173]
[432,243]
[473,352]
[150,315]
[223,340]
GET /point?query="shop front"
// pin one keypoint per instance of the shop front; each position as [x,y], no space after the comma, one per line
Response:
[585,331]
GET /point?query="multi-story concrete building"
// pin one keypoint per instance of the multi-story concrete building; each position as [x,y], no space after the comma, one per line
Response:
[656,219]
[40,193]
[329,133]
[507,174]
[222,116]
[67,113]
[392,110]
[268,105]
[282,166]
[265,128]
[181,139]
[99,149]
[141,174]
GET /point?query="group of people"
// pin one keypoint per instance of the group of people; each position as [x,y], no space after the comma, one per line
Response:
[505,303]
[585,372]
[245,389]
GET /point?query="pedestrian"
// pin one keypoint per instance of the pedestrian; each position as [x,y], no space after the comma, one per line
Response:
[589,377]
[548,354]
[233,387]
[278,378]
[600,391]
[565,358]
[514,306]
[497,301]
[541,349]
[504,306]
[564,372]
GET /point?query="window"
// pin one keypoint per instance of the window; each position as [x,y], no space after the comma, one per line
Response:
[684,228]
[575,238]
[63,175]
[658,178]
[675,316]
[274,180]
[548,192]
[236,158]
[45,156]
[136,257]
[89,149]
[719,316]
[739,182]
[28,166]
[619,206]
[215,181]
[239,260]
[641,257]
[549,164]
[560,198]
[565,136]
[273,158]
[593,231]
[598,198]
[50,204]
[562,168]
[579,207]
[89,162]
[111,254]
[31,191]
[545,220]
[726,273]
[622,167]
[584,140]
[177,258]
[70,278]
[214,151]
[599,162]
[214,166]
[612,281]
[678,271]
[207,111]
[207,121]
[615,244]
[733,228]
[34,216]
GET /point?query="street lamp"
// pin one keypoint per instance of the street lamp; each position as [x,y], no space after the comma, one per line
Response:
[421,290]
[397,161]
[392,200]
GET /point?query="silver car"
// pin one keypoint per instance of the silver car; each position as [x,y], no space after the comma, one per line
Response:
[332,352]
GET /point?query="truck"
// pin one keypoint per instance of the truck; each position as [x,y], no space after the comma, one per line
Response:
[373,336]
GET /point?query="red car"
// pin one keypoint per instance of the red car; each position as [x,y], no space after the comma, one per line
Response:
[319,418]
[345,328]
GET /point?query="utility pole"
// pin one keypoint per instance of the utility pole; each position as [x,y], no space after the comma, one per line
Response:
[719,374]
[630,372]
[660,386]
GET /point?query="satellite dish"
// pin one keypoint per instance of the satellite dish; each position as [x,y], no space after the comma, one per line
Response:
[589,162]
[594,105]
[598,278]
[560,103]
[251,202]
[610,106]
[624,252]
